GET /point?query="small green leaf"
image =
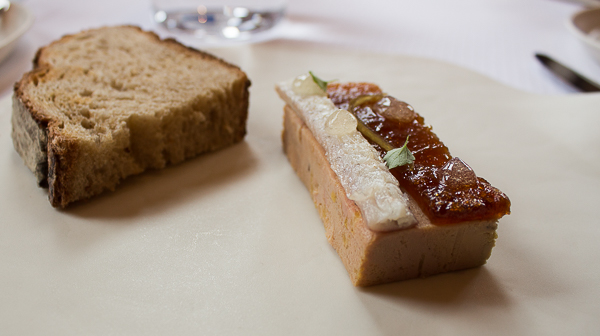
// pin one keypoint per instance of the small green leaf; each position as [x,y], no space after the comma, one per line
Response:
[321,83]
[394,157]
[399,156]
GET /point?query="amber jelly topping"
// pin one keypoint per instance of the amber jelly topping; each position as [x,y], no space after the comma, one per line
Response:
[445,187]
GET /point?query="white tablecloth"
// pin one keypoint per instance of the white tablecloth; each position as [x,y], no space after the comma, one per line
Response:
[496,38]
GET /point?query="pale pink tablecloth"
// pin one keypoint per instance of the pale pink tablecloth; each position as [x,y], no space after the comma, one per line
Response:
[496,38]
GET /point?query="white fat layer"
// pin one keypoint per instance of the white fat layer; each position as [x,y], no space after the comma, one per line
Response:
[362,173]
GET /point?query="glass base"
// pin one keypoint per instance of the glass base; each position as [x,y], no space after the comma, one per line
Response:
[232,23]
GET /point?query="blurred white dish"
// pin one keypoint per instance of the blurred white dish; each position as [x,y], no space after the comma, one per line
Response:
[13,24]
[586,26]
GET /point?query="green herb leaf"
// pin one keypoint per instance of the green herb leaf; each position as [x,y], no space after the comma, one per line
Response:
[394,157]
[321,83]
[399,156]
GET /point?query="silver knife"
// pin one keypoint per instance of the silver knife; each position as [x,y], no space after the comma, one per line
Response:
[570,76]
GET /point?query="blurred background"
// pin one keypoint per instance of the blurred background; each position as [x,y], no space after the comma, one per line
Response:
[497,38]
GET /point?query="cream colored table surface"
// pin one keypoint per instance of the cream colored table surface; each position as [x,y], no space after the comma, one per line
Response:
[230,243]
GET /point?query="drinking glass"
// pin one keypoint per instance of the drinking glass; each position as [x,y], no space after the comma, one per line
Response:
[229,20]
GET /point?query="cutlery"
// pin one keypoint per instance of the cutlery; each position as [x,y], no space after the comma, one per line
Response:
[566,74]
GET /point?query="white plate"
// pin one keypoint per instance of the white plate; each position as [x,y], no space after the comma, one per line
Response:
[13,24]
[231,244]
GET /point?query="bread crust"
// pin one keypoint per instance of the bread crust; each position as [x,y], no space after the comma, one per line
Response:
[371,257]
[30,139]
[53,156]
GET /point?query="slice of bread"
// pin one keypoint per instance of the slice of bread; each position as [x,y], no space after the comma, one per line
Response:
[108,103]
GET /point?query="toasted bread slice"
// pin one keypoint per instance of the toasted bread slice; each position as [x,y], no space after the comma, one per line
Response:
[108,103]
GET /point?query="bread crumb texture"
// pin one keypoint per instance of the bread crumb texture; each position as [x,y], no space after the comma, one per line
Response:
[116,101]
